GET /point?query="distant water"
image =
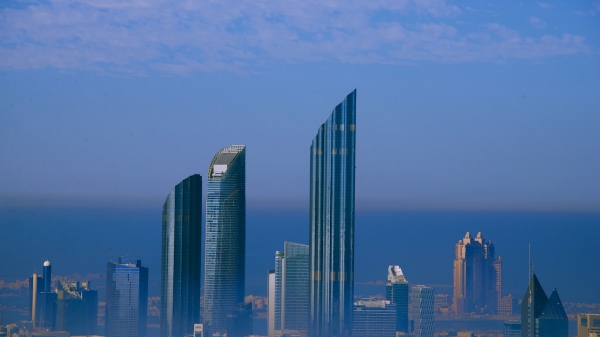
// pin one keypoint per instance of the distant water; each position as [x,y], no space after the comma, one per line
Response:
[564,245]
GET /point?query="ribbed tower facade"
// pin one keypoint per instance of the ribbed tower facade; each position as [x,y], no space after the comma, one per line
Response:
[331,234]
[180,267]
[476,270]
[421,299]
[224,279]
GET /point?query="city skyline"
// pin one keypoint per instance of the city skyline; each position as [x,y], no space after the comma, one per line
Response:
[474,118]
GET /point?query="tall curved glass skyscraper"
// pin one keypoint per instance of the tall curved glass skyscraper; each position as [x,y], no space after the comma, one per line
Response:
[180,267]
[331,237]
[225,248]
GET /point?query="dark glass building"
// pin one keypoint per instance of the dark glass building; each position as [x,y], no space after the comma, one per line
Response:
[76,308]
[331,228]
[553,320]
[225,248]
[126,298]
[180,259]
[396,291]
[542,316]
[533,304]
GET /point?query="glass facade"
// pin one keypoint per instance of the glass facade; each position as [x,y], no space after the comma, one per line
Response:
[554,321]
[396,291]
[542,316]
[421,298]
[126,298]
[374,319]
[533,304]
[180,259]
[331,229]
[224,278]
[76,308]
[291,288]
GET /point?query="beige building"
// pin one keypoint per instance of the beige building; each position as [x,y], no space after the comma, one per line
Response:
[477,276]
[588,325]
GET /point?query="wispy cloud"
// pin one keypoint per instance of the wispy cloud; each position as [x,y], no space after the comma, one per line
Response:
[537,22]
[545,5]
[185,36]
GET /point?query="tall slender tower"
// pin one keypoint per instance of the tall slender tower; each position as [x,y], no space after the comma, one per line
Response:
[180,267]
[331,234]
[225,249]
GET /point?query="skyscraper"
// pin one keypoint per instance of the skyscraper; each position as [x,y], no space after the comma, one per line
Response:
[331,230]
[421,299]
[476,285]
[540,315]
[396,291]
[76,308]
[180,259]
[554,321]
[225,248]
[291,288]
[126,298]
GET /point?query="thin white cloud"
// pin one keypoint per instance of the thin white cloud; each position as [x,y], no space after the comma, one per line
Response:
[537,22]
[545,5]
[186,36]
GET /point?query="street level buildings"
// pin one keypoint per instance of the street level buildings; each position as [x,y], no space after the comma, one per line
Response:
[126,298]
[588,324]
[224,278]
[374,319]
[180,258]
[421,298]
[396,291]
[331,223]
[477,276]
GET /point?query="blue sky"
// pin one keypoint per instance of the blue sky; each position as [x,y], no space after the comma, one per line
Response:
[479,106]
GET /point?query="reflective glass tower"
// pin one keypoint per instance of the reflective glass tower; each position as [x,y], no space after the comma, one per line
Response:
[224,278]
[180,259]
[291,288]
[331,233]
[126,298]
[396,291]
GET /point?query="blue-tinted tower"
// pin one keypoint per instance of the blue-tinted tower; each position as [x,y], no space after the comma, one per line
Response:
[180,259]
[396,291]
[331,234]
[225,248]
[126,298]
